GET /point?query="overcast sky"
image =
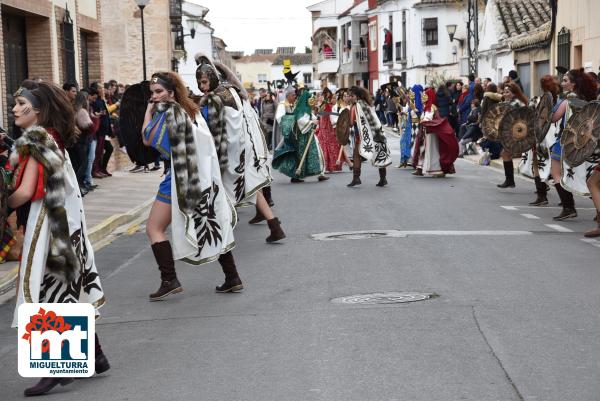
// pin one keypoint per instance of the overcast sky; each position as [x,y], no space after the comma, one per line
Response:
[256,24]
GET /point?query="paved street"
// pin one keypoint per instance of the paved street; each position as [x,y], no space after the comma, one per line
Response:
[516,316]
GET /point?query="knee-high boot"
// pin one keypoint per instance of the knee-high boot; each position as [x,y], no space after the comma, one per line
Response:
[568,204]
[267,194]
[509,173]
[540,190]
[382,180]
[102,364]
[169,283]
[232,283]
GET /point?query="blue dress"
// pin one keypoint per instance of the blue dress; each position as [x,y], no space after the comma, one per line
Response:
[556,149]
[161,143]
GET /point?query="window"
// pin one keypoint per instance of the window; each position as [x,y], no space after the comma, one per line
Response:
[307,78]
[373,37]
[564,48]
[85,60]
[262,78]
[68,48]
[430,31]
[398,51]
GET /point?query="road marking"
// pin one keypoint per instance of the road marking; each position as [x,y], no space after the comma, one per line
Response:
[591,241]
[370,234]
[530,216]
[541,207]
[558,228]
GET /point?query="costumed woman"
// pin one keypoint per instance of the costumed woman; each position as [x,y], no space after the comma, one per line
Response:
[438,147]
[535,162]
[57,261]
[575,84]
[298,156]
[341,103]
[369,140]
[192,197]
[514,95]
[326,133]
[237,135]
[406,139]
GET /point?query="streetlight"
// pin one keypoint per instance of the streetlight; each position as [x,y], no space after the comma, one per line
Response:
[192,24]
[451,31]
[142,4]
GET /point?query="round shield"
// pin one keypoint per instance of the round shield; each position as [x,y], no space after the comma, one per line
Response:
[342,128]
[580,139]
[516,130]
[131,119]
[543,116]
[490,121]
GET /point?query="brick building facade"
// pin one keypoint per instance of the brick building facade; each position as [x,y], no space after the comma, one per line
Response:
[51,40]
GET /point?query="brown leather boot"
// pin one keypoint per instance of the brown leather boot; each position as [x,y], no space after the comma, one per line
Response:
[46,384]
[267,194]
[382,180]
[169,284]
[541,189]
[276,231]
[258,218]
[232,283]
[568,204]
[593,233]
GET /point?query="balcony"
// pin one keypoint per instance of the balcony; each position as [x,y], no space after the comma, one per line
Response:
[328,63]
[362,55]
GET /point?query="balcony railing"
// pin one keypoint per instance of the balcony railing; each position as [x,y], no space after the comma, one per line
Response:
[362,55]
[327,56]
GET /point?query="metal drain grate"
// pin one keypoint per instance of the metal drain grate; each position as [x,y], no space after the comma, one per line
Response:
[378,298]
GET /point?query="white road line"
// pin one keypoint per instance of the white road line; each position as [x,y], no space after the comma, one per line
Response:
[591,241]
[558,228]
[530,216]
[368,234]
[542,207]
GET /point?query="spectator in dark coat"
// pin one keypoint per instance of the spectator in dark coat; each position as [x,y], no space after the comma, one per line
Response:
[444,101]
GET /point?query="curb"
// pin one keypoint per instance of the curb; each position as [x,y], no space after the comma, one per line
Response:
[97,233]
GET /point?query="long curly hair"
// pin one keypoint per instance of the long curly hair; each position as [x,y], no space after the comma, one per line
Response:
[175,84]
[517,92]
[56,110]
[584,84]
[549,84]
[362,94]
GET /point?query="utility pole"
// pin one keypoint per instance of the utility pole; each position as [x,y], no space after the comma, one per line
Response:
[473,35]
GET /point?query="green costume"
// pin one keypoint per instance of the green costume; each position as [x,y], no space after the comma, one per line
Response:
[297,130]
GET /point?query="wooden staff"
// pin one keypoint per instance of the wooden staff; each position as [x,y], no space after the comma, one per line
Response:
[312,134]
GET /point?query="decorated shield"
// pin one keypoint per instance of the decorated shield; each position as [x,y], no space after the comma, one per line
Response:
[580,140]
[543,116]
[342,128]
[490,121]
[131,118]
[517,130]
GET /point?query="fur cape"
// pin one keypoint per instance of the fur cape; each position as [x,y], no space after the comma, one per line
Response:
[216,125]
[39,144]
[183,155]
[373,121]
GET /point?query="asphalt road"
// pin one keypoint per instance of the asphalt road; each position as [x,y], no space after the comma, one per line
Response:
[516,317]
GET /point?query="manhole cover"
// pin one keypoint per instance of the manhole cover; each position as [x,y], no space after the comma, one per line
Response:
[384,298]
[357,235]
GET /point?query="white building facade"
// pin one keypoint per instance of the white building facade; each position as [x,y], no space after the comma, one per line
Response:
[201,43]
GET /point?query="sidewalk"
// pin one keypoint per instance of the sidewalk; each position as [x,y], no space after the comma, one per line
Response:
[117,200]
